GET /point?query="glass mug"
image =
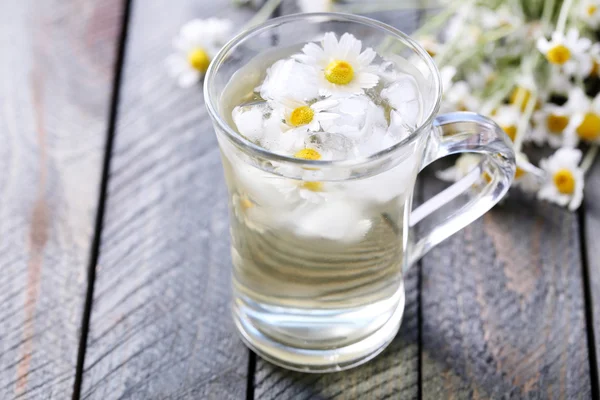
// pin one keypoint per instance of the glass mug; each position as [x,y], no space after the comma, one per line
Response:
[318,285]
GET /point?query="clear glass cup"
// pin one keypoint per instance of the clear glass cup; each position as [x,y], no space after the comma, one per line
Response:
[318,285]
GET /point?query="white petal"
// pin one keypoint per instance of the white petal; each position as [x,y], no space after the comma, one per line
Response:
[189,78]
[176,64]
[543,45]
[313,50]
[325,116]
[366,57]
[324,104]
[330,43]
[367,80]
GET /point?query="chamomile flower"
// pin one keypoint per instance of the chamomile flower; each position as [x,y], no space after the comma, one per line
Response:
[569,52]
[507,117]
[302,117]
[459,97]
[564,179]
[585,122]
[313,6]
[589,12]
[197,43]
[550,123]
[340,67]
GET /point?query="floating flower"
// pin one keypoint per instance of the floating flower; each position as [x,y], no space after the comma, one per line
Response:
[197,43]
[550,123]
[589,12]
[301,117]
[585,123]
[508,119]
[564,178]
[341,69]
[569,52]
[313,6]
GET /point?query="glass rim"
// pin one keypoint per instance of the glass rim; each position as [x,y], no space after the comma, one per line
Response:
[255,150]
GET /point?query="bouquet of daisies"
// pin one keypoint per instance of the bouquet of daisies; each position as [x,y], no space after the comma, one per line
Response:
[533,66]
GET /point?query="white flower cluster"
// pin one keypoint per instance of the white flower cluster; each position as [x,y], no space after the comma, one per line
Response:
[328,102]
[535,69]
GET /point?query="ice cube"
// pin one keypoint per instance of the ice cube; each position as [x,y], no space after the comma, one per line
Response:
[289,78]
[332,146]
[249,120]
[403,96]
[358,117]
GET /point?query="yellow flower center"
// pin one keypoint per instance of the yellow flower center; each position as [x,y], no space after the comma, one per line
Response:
[521,95]
[511,131]
[591,9]
[519,173]
[339,72]
[313,186]
[589,129]
[564,181]
[559,54]
[301,116]
[199,59]
[308,154]
[557,123]
[245,203]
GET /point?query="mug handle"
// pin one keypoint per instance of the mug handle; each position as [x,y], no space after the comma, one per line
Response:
[476,193]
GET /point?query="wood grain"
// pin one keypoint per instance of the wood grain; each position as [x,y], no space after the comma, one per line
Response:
[160,323]
[394,374]
[56,74]
[591,222]
[503,307]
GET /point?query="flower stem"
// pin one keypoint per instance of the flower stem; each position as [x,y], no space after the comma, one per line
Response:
[262,15]
[547,13]
[588,160]
[562,17]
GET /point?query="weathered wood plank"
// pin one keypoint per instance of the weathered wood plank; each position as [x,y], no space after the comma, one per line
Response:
[392,375]
[591,210]
[56,74]
[503,307]
[160,324]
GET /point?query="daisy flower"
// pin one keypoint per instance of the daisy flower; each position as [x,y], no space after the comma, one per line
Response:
[569,52]
[341,69]
[550,122]
[585,123]
[301,117]
[564,179]
[313,6]
[589,12]
[197,43]
[508,119]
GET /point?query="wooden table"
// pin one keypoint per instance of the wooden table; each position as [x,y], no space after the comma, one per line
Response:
[114,245]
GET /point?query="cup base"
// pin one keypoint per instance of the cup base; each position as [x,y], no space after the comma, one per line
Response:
[322,360]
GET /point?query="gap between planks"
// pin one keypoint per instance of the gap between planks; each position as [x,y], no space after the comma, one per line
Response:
[97,237]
